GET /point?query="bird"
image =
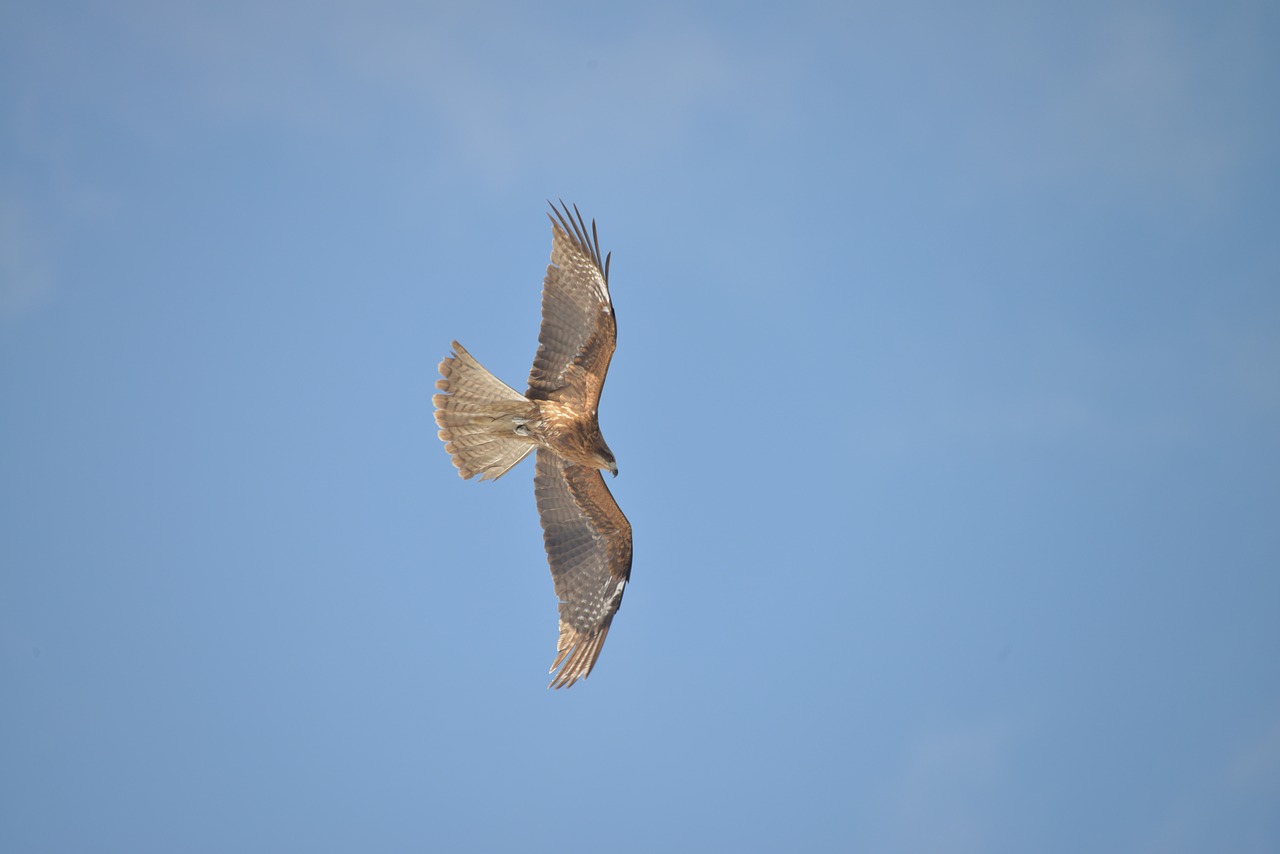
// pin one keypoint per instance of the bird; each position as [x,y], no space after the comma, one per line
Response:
[488,427]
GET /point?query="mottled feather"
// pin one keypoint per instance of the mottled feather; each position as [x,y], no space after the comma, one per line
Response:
[579,330]
[588,542]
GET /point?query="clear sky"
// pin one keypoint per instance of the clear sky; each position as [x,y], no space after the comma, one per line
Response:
[946,403]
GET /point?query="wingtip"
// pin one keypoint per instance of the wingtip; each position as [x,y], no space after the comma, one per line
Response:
[558,222]
[579,655]
[574,226]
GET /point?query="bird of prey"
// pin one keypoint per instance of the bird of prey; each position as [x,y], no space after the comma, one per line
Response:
[488,427]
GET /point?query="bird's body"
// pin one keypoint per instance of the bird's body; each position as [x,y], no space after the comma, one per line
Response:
[488,427]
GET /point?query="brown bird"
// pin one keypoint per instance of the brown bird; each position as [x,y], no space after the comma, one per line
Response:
[488,427]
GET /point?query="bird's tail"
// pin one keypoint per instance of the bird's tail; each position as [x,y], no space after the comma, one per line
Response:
[482,419]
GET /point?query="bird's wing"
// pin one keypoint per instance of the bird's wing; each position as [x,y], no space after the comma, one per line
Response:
[579,330]
[588,544]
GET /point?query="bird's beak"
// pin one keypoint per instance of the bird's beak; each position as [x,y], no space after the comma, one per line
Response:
[613,470]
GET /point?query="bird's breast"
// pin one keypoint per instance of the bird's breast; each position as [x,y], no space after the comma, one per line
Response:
[568,432]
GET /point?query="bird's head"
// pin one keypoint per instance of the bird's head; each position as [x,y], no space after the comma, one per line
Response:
[604,458]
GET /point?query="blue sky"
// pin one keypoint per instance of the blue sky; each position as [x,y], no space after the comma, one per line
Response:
[946,404]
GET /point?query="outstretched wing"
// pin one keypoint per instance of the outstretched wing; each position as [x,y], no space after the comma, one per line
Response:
[588,544]
[579,331]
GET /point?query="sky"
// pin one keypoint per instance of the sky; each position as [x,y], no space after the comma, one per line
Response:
[946,405]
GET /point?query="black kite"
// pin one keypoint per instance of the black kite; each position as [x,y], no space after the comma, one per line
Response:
[488,427]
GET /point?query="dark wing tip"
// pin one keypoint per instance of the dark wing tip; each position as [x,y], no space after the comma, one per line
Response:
[575,227]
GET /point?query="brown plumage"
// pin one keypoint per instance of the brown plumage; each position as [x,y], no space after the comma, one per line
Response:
[488,427]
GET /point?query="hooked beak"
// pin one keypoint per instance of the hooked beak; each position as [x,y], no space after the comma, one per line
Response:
[613,469]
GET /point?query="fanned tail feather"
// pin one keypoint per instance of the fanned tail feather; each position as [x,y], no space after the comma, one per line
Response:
[479,418]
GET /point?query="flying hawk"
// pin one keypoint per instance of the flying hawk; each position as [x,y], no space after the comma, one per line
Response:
[488,427]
